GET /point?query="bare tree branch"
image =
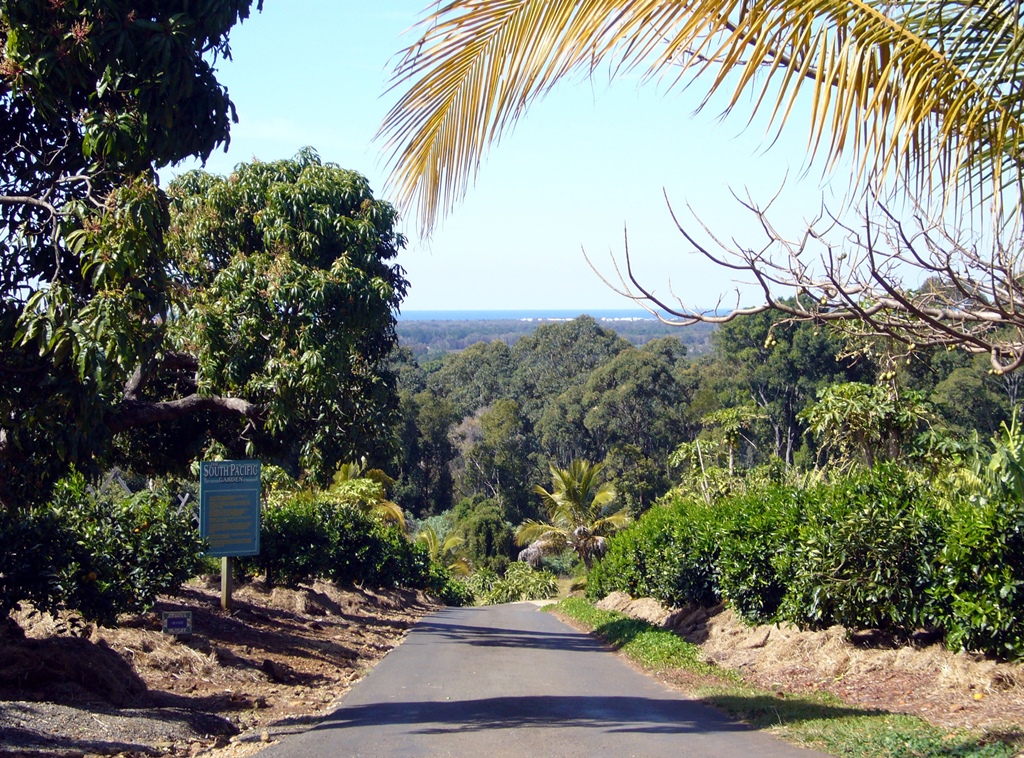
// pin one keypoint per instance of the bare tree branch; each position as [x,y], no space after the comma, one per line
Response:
[963,297]
[135,413]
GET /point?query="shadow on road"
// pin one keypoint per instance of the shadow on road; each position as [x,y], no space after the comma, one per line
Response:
[516,638]
[607,713]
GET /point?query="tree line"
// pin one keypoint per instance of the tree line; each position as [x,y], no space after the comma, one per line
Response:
[483,427]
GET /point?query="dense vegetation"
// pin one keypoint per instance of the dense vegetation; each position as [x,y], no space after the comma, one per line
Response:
[785,467]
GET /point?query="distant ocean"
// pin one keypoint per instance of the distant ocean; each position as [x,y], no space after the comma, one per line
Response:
[632,314]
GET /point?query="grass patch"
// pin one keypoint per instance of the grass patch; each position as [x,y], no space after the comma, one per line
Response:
[817,720]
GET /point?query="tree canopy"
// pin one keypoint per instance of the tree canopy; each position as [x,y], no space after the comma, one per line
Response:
[95,95]
[254,311]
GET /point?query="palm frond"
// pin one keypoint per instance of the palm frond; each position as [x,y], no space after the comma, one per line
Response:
[930,88]
[536,531]
[386,511]
[612,523]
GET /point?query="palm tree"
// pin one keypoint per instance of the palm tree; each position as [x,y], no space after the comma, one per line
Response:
[445,551]
[366,490]
[578,514]
[926,92]
[933,88]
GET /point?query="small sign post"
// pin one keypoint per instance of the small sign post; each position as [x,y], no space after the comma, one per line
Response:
[178,623]
[229,514]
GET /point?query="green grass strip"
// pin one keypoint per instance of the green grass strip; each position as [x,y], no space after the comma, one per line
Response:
[816,720]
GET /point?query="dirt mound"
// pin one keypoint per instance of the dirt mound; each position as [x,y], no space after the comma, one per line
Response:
[278,659]
[947,689]
[66,669]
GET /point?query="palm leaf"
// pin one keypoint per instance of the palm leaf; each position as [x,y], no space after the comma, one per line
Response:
[929,87]
[537,531]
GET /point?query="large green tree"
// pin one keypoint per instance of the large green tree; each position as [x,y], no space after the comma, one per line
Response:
[501,463]
[95,95]
[922,91]
[288,292]
[779,366]
[555,357]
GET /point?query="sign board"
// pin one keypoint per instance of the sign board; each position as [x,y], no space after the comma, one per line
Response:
[229,507]
[177,622]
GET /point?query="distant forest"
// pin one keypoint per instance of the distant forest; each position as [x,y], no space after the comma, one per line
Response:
[432,339]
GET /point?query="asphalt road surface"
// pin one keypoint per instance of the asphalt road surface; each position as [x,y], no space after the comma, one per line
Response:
[509,680]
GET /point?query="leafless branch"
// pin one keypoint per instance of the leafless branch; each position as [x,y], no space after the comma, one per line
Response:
[135,413]
[857,276]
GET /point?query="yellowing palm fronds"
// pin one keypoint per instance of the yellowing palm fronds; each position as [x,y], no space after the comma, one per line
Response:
[932,88]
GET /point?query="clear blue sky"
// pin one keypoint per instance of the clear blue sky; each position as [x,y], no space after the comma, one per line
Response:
[585,162]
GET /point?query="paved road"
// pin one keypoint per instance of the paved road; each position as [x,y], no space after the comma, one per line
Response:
[509,680]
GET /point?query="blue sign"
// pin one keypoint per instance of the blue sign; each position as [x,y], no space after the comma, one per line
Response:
[229,507]
[177,622]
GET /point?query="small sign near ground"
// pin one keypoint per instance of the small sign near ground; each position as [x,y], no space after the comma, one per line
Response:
[229,507]
[177,622]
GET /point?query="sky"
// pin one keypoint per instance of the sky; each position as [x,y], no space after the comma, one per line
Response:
[585,166]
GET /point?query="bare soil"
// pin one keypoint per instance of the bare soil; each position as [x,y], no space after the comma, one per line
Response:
[282,658]
[270,666]
[949,690]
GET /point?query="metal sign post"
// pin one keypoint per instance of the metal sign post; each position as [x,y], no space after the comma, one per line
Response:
[229,514]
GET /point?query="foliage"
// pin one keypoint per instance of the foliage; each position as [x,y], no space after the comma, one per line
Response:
[950,63]
[979,593]
[498,464]
[552,359]
[95,94]
[635,398]
[487,536]
[424,483]
[480,583]
[446,553]
[291,300]
[756,564]
[864,553]
[912,88]
[101,554]
[863,423]
[579,513]
[520,582]
[670,554]
[779,366]
[449,589]
[304,537]
[365,491]
[427,339]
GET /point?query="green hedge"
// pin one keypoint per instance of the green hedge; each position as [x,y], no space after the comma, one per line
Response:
[882,549]
[977,594]
[671,554]
[99,554]
[304,537]
[864,553]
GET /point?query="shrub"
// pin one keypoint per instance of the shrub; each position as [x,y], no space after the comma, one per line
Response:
[670,554]
[522,583]
[488,537]
[755,564]
[480,583]
[864,553]
[304,537]
[447,588]
[99,554]
[297,539]
[978,595]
